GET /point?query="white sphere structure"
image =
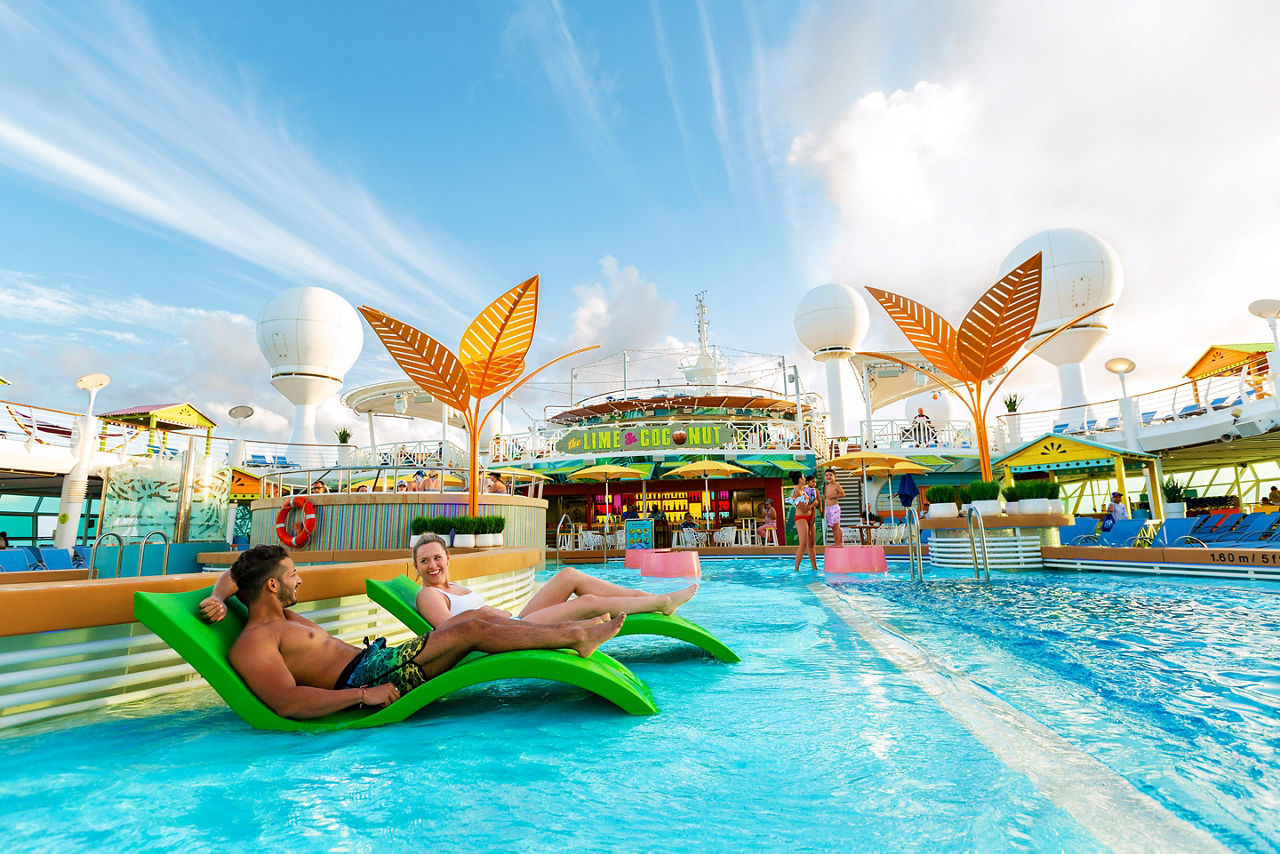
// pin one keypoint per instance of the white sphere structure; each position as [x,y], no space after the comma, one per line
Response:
[1079,272]
[310,337]
[831,320]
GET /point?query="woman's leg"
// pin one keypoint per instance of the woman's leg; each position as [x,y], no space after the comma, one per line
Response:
[572,582]
[590,605]
[802,534]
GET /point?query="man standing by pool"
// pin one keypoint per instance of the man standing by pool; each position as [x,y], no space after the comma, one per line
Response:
[301,671]
[832,492]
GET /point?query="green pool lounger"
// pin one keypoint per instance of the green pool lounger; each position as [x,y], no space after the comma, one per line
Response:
[399,596]
[172,616]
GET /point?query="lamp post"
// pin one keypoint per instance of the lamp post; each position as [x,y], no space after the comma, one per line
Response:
[1128,407]
[239,413]
[1269,310]
[1120,367]
[76,483]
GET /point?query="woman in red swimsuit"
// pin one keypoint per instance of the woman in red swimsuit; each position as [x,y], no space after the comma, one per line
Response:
[803,499]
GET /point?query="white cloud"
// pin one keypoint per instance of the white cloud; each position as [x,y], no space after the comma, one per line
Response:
[1147,128]
[111,110]
[622,313]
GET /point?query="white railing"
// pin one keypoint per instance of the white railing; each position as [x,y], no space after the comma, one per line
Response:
[1182,402]
[907,433]
[677,396]
[741,436]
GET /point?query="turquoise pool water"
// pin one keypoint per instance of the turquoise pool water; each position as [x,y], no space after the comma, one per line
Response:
[1037,712]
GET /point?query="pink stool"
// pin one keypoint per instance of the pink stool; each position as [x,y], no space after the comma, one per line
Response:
[854,559]
[635,558]
[664,563]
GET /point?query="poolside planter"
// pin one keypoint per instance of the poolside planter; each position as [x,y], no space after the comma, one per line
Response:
[485,541]
[464,541]
[943,510]
[1013,508]
[988,507]
[1035,506]
[1175,510]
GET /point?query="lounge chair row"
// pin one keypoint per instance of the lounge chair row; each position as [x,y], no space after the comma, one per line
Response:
[26,558]
[1151,417]
[1222,530]
[173,617]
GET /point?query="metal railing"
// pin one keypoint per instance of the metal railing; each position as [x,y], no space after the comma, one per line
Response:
[978,535]
[142,550]
[93,553]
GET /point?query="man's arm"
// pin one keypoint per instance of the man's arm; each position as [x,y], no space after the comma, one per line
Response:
[214,606]
[256,657]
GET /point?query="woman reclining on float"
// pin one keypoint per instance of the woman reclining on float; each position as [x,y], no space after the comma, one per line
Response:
[569,596]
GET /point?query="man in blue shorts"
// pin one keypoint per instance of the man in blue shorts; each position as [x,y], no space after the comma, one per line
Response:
[301,671]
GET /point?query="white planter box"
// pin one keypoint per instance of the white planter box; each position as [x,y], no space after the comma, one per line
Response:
[484,541]
[1175,510]
[988,507]
[464,541]
[1013,508]
[1034,506]
[943,510]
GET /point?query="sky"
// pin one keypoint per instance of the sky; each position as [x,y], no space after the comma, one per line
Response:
[166,168]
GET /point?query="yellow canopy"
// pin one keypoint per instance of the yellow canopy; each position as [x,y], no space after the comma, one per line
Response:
[706,469]
[859,460]
[532,475]
[606,473]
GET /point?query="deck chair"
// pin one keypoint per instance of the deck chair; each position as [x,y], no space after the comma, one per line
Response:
[1261,535]
[1243,527]
[54,558]
[14,560]
[1120,534]
[173,617]
[400,594]
[1191,409]
[1148,417]
[1171,531]
[1113,423]
[33,556]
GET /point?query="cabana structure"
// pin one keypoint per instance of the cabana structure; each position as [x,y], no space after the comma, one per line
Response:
[1074,458]
[166,416]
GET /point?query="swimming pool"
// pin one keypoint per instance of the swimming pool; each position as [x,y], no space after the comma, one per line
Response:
[1040,711]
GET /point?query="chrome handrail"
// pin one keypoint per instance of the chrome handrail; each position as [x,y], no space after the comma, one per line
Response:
[93,553]
[973,514]
[564,517]
[915,549]
[142,549]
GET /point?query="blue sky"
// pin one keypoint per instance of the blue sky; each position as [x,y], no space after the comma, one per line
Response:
[165,168]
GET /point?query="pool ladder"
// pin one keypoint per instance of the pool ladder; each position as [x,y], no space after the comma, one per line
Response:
[142,548]
[915,549]
[978,536]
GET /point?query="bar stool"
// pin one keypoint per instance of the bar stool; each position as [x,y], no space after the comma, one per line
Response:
[768,536]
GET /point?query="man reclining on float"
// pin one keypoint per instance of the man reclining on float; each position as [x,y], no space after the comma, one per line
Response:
[300,671]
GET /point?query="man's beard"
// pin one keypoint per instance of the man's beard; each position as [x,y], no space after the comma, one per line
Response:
[287,596]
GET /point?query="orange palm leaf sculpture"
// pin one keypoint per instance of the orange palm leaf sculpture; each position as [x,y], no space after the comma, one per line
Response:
[490,359]
[999,323]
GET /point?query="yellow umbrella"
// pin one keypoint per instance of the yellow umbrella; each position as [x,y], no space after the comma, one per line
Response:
[910,468]
[861,461]
[706,469]
[532,475]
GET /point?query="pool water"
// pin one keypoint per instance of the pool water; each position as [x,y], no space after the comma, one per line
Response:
[1034,712]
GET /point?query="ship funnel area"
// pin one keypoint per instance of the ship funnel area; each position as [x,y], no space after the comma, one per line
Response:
[831,321]
[1079,272]
[310,337]
[704,369]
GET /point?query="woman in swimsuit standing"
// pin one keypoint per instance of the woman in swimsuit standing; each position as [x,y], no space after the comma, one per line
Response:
[569,596]
[803,499]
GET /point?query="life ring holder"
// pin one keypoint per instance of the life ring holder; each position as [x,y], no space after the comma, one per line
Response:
[302,531]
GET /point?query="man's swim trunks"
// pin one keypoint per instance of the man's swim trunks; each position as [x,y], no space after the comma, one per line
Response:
[378,664]
[833,515]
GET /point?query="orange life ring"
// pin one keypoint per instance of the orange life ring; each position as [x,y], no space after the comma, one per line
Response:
[302,531]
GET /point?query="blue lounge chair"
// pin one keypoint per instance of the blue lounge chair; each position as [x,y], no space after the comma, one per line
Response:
[14,560]
[1113,423]
[258,460]
[33,557]
[1233,529]
[1122,533]
[1191,409]
[1060,428]
[53,558]
[80,556]
[283,462]
[1148,417]
[1261,529]
[1082,528]
[1172,530]
[1219,403]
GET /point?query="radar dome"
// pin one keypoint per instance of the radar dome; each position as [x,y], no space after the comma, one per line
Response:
[1079,272]
[309,331]
[831,317]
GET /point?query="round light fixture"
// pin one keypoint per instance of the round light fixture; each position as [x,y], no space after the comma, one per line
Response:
[1120,366]
[93,382]
[1267,309]
[241,411]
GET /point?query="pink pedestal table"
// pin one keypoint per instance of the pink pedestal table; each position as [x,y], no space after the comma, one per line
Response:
[853,561]
[664,563]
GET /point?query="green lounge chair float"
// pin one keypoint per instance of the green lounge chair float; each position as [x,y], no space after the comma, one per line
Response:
[172,616]
[399,596]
